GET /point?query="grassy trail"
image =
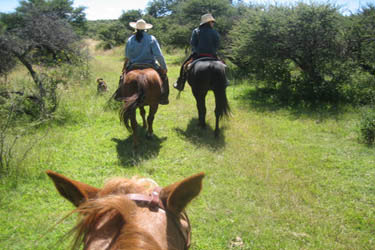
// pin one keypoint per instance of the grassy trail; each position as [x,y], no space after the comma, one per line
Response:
[277,178]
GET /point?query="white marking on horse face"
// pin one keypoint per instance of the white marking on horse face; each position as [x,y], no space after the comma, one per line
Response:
[148,180]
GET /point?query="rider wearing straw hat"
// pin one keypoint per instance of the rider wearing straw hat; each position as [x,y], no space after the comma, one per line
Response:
[204,43]
[143,48]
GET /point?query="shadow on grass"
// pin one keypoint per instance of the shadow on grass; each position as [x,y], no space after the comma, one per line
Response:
[147,148]
[199,136]
[262,100]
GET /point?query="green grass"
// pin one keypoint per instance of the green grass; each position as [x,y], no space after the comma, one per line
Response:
[277,178]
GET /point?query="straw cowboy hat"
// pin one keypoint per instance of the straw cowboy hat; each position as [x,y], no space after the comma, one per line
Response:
[207,18]
[140,25]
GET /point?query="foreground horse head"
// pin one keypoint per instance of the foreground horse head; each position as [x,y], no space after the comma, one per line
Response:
[205,76]
[131,213]
[141,87]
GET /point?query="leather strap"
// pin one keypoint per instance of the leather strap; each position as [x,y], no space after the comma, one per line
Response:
[153,202]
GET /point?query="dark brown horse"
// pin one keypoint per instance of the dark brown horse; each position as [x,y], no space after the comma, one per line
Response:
[206,75]
[141,87]
[130,214]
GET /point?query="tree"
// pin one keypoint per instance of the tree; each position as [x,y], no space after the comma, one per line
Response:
[63,9]
[160,8]
[295,49]
[113,34]
[130,16]
[175,19]
[39,34]
[7,62]
[361,38]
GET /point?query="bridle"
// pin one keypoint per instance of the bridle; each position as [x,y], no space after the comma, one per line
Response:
[153,202]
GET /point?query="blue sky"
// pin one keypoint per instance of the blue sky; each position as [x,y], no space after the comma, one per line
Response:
[112,9]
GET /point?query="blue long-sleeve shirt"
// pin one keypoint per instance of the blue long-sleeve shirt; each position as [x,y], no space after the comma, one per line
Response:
[205,40]
[146,51]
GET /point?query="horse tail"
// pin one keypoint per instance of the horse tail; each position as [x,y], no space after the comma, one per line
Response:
[222,105]
[132,102]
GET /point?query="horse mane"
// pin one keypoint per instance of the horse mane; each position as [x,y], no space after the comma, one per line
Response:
[112,203]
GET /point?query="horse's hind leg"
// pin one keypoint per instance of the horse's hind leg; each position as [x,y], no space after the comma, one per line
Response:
[217,115]
[133,122]
[201,105]
[217,131]
[143,114]
[150,119]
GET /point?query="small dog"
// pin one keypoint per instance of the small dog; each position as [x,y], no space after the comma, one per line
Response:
[102,86]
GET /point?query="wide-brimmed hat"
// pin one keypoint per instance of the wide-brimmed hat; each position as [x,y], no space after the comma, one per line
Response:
[140,25]
[207,18]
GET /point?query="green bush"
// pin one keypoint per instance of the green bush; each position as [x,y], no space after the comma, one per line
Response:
[12,131]
[360,90]
[296,51]
[367,127]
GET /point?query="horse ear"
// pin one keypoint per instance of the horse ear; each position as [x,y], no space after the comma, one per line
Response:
[178,195]
[74,191]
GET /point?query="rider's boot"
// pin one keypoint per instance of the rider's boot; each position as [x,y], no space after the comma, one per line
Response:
[180,83]
[165,90]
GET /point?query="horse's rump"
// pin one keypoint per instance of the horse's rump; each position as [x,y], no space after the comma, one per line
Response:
[207,72]
[137,80]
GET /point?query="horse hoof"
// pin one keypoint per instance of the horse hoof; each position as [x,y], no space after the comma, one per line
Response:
[149,136]
[217,133]
[203,126]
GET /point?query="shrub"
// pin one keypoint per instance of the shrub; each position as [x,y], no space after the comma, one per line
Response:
[360,90]
[367,127]
[296,50]
[11,135]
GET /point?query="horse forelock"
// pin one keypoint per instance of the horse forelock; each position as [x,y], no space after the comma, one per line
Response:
[125,186]
[113,208]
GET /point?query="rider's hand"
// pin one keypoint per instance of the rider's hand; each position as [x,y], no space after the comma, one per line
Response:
[164,71]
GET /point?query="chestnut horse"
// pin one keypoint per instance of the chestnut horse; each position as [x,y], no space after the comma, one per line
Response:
[140,87]
[209,74]
[130,213]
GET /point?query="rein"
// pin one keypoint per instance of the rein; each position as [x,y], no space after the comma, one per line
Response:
[153,202]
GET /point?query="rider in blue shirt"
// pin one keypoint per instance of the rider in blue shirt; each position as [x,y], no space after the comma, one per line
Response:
[143,48]
[204,43]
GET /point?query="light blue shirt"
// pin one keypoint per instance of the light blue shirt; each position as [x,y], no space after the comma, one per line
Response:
[146,51]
